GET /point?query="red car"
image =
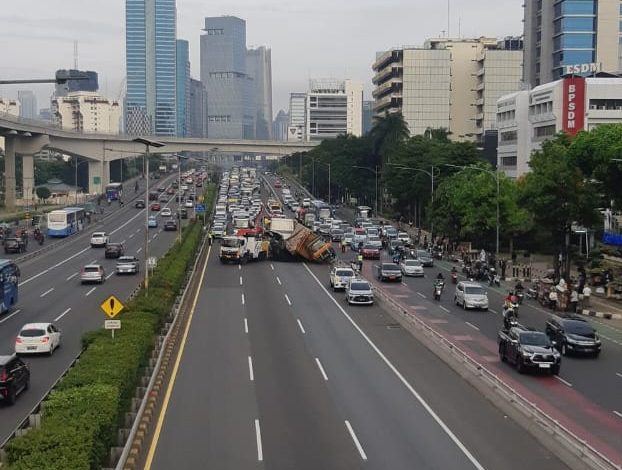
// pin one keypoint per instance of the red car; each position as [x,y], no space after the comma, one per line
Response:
[155,206]
[370,252]
[277,184]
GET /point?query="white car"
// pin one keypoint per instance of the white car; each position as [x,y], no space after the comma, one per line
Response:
[99,239]
[189,203]
[37,338]
[412,267]
[166,212]
[374,240]
[340,276]
[471,295]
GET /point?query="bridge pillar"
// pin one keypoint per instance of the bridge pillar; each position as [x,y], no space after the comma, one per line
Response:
[95,177]
[9,173]
[28,177]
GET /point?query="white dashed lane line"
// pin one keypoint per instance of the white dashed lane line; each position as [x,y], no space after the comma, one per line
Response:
[246,326]
[422,295]
[472,326]
[301,327]
[319,365]
[278,280]
[110,275]
[47,292]
[90,292]
[8,317]
[287,298]
[565,382]
[63,314]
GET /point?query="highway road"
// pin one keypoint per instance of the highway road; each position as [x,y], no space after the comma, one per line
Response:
[50,291]
[277,372]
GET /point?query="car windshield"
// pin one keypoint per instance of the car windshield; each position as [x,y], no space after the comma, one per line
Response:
[475,290]
[231,242]
[344,273]
[99,234]
[389,267]
[32,333]
[373,238]
[422,254]
[577,327]
[91,269]
[412,262]
[359,286]
[534,339]
[369,247]
[126,259]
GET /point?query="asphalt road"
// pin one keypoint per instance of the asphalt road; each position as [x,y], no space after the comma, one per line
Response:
[277,372]
[50,291]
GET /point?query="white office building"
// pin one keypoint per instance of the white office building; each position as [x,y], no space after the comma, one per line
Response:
[526,119]
[296,129]
[86,111]
[448,83]
[334,107]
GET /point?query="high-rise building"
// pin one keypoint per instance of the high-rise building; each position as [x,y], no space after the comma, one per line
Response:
[9,106]
[565,33]
[334,107]
[447,83]
[150,50]
[86,111]
[259,68]
[27,104]
[297,128]
[279,126]
[183,87]
[368,116]
[197,120]
[230,103]
[90,82]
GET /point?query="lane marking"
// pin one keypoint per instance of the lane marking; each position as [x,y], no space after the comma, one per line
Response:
[171,384]
[246,326]
[45,271]
[619,375]
[401,378]
[239,267]
[243,299]
[109,275]
[10,316]
[123,242]
[251,374]
[241,280]
[493,311]
[444,308]
[301,327]
[90,292]
[358,445]
[138,230]
[139,250]
[287,298]
[93,262]
[278,280]
[565,382]
[155,236]
[617,413]
[272,266]
[419,293]
[72,276]
[319,364]
[47,292]
[132,235]
[472,325]
[63,314]
[258,438]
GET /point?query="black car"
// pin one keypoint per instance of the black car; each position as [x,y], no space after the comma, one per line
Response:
[170,226]
[573,334]
[183,213]
[153,195]
[114,250]
[14,245]
[14,377]
[139,204]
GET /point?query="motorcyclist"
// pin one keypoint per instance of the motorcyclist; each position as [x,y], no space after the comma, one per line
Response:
[440,277]
[518,287]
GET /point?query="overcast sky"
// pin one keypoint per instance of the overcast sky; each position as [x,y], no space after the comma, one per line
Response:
[309,39]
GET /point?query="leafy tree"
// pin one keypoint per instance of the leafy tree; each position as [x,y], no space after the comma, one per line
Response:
[386,134]
[557,193]
[43,192]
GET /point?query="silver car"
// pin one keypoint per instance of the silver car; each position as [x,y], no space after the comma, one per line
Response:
[359,292]
[127,265]
[471,295]
[412,267]
[92,273]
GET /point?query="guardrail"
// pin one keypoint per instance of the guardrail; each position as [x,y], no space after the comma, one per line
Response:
[578,448]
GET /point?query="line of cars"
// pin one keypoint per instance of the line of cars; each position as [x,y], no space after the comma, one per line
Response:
[238,200]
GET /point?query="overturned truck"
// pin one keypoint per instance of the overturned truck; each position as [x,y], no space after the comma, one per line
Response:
[291,241]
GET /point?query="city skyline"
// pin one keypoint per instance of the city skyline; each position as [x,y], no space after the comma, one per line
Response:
[295,59]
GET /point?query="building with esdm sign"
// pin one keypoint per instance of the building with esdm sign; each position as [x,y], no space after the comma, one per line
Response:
[526,119]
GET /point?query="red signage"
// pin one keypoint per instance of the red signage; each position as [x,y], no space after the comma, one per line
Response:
[573,119]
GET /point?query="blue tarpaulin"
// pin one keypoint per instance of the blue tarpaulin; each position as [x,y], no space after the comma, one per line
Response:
[612,239]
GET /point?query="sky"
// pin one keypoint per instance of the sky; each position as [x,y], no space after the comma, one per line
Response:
[309,39]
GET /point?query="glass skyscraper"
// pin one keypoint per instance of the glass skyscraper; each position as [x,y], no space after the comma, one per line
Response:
[150,103]
[183,87]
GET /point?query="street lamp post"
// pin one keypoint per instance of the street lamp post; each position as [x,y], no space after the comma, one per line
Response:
[179,158]
[495,174]
[375,172]
[78,163]
[147,143]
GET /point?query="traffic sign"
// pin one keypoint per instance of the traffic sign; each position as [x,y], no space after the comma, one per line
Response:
[199,208]
[152,262]
[112,306]
[112,324]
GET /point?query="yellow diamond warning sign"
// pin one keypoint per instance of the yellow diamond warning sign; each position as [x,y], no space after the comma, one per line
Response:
[112,306]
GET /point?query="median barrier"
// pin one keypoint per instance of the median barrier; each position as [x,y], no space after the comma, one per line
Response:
[572,450]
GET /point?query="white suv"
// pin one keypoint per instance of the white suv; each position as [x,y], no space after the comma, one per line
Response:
[471,295]
[359,292]
[339,276]
[99,239]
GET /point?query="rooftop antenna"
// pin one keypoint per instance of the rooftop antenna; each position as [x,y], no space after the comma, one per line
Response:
[75,55]
[448,16]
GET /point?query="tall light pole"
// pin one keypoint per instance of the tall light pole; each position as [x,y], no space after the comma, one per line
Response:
[147,143]
[375,172]
[495,174]
[78,163]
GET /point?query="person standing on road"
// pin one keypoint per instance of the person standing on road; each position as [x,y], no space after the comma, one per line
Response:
[587,293]
[574,299]
[553,299]
[359,260]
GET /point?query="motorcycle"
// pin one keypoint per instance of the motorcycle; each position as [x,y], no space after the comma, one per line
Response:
[494,280]
[454,277]
[510,318]
[520,296]
[438,289]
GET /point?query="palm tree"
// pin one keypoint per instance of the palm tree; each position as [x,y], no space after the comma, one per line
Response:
[440,134]
[388,131]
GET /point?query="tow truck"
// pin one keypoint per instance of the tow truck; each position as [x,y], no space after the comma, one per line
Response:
[243,247]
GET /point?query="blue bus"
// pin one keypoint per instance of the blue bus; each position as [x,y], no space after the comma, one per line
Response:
[65,222]
[114,191]
[9,282]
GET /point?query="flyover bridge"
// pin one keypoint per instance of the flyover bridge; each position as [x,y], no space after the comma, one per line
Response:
[24,138]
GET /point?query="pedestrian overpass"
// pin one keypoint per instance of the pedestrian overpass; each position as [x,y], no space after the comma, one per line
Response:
[24,138]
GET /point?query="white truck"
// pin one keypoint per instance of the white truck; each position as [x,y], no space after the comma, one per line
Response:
[241,250]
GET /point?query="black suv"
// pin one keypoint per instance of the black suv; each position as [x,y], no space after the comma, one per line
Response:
[140,204]
[14,378]
[14,245]
[114,250]
[573,334]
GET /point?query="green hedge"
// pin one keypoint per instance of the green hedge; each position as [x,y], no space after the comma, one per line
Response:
[81,417]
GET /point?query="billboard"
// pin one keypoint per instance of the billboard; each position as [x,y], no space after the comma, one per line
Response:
[573,119]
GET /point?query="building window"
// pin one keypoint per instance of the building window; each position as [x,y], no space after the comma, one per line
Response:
[215,32]
[508,161]
[544,131]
